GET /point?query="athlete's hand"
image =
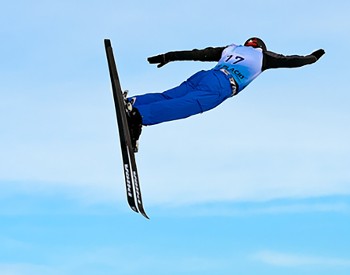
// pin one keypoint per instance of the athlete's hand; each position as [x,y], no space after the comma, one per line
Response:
[318,53]
[160,59]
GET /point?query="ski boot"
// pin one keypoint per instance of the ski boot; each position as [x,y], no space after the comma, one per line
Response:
[135,127]
[134,121]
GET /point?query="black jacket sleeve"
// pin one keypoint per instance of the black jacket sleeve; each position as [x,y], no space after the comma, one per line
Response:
[207,54]
[273,60]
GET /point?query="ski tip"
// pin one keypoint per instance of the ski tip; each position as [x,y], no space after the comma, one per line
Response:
[142,211]
[145,215]
[108,43]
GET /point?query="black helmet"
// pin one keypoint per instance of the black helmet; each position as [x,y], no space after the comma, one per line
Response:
[255,42]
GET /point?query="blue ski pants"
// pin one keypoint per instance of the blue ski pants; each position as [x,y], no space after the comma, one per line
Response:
[201,92]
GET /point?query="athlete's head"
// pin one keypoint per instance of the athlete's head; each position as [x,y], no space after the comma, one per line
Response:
[255,42]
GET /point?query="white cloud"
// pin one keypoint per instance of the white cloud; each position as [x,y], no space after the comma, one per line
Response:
[263,208]
[109,260]
[26,269]
[294,260]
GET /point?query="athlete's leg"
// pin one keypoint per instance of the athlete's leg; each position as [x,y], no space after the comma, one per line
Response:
[173,93]
[201,92]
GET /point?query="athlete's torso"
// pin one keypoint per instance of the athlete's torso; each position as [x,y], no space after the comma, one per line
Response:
[243,63]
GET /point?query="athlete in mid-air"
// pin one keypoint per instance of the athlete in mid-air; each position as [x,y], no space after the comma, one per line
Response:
[237,66]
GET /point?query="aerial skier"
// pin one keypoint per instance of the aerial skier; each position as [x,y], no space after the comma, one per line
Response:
[238,65]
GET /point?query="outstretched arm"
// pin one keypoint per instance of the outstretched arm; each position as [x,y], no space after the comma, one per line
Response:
[207,54]
[273,60]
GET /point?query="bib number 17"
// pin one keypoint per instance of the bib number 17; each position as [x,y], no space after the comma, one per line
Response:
[237,58]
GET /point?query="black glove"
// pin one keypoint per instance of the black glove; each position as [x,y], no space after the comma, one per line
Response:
[161,60]
[318,53]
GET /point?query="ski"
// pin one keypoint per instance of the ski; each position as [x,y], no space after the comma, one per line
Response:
[131,176]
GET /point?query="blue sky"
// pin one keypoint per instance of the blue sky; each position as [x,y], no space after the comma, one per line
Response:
[260,185]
